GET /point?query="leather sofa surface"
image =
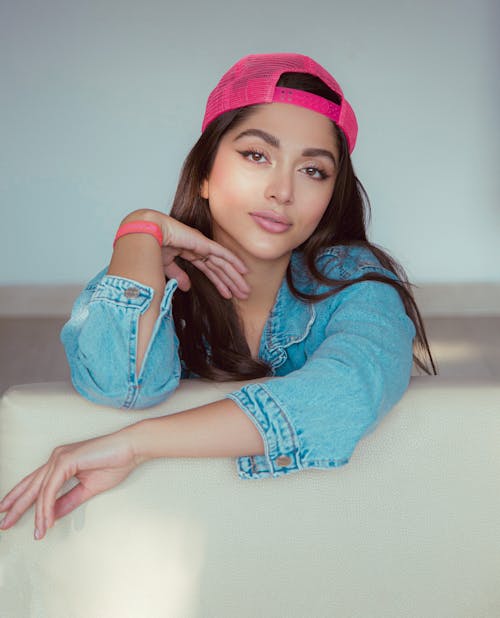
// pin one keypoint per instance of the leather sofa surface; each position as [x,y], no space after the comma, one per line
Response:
[410,528]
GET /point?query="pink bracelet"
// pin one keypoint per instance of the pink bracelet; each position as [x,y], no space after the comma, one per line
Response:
[140,227]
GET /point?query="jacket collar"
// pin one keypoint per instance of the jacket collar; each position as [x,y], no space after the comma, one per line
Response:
[289,322]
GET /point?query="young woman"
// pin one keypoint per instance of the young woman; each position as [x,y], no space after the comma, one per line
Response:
[262,269]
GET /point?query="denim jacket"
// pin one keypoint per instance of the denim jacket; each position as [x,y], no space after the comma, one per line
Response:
[338,365]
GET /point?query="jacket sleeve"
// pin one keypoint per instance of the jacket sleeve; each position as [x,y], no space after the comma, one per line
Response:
[100,340]
[314,416]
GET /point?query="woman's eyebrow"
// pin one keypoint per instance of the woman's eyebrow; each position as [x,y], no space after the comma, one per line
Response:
[267,137]
[274,141]
[319,152]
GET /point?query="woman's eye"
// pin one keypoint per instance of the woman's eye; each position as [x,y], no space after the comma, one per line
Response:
[315,172]
[253,155]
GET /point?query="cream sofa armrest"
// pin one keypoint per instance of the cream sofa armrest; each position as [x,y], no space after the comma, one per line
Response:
[409,528]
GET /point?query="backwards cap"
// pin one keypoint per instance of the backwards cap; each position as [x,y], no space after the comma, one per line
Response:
[252,80]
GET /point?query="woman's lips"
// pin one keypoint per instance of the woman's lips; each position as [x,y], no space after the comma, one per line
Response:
[271,222]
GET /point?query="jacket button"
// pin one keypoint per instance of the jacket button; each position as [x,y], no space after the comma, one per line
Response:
[131,293]
[283,460]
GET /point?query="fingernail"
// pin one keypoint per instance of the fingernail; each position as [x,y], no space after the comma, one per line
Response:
[37,534]
[1,522]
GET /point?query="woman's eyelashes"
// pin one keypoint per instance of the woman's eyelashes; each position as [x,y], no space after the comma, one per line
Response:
[313,171]
[253,155]
[316,172]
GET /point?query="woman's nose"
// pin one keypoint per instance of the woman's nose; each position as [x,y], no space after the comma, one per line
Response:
[280,186]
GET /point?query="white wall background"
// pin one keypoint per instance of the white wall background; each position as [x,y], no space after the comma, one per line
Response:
[100,101]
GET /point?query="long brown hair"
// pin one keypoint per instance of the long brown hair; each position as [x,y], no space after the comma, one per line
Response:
[212,343]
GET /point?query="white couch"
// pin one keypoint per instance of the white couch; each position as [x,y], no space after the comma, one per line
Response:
[410,528]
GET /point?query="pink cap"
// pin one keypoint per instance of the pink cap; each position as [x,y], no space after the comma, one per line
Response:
[252,80]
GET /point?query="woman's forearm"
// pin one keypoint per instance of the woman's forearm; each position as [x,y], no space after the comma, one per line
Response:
[219,429]
[138,257]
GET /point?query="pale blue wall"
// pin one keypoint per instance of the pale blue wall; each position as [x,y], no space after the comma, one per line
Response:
[100,101]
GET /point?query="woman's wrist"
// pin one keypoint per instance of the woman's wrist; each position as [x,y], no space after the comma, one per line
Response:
[152,216]
[141,436]
[140,227]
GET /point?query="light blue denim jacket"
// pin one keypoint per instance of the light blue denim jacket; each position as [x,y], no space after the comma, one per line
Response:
[338,365]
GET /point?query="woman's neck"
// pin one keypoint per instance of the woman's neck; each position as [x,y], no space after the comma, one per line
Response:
[264,278]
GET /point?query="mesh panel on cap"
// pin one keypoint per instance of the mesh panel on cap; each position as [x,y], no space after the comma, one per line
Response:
[252,80]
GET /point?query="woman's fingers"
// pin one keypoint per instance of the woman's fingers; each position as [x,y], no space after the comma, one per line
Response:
[221,272]
[174,271]
[71,500]
[22,497]
[60,469]
[222,288]
[221,252]
[16,491]
[222,267]
[225,284]
[98,464]
[228,275]
[223,275]
[183,237]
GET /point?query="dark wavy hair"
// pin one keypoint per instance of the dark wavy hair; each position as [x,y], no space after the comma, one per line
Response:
[211,337]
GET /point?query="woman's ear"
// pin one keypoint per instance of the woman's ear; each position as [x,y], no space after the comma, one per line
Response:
[204,189]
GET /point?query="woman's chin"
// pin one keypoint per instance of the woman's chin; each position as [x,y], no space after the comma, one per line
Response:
[268,254]
[256,249]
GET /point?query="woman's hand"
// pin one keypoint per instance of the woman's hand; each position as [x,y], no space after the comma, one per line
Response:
[217,429]
[221,266]
[216,262]
[98,464]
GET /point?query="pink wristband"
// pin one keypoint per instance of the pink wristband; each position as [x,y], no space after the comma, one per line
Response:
[140,227]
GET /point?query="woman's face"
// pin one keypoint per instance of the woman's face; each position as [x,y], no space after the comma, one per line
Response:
[272,180]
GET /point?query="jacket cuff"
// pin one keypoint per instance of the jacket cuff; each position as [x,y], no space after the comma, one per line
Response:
[280,441]
[129,293]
